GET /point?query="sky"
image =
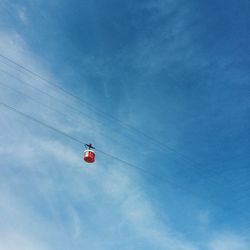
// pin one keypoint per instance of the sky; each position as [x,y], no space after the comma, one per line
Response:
[163,85]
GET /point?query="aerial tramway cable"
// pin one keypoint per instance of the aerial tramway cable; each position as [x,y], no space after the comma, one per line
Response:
[73,138]
[159,144]
[124,162]
[190,162]
[61,113]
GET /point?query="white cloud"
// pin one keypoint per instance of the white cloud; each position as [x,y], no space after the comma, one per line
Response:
[73,193]
[20,241]
[204,218]
[229,241]
[139,214]
[14,229]
[23,16]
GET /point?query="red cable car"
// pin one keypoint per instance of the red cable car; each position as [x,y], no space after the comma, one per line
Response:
[89,153]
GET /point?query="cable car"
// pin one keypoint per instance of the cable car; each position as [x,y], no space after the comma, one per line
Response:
[89,153]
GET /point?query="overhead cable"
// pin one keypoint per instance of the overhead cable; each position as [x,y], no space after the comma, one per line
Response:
[124,162]
[97,110]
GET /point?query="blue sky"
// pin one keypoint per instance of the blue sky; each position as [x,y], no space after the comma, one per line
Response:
[177,71]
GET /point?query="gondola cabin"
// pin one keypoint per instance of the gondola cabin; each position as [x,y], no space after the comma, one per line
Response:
[89,154]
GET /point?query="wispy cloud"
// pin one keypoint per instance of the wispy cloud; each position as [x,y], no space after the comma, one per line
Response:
[49,198]
[137,213]
[229,241]
[23,16]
